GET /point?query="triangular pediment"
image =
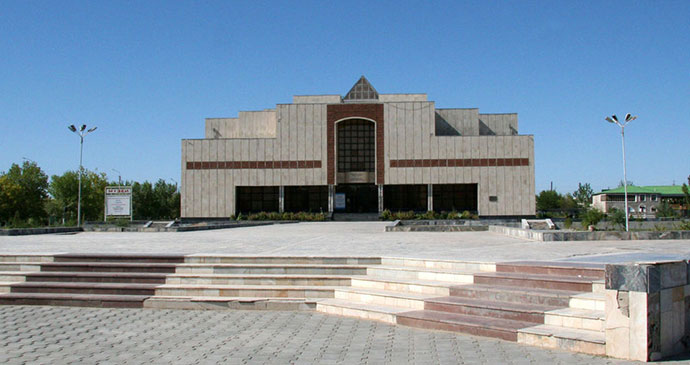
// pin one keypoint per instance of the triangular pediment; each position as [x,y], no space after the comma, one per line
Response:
[362,90]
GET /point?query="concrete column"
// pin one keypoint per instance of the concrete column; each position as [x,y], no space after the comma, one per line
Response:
[331,198]
[380,198]
[430,197]
[281,198]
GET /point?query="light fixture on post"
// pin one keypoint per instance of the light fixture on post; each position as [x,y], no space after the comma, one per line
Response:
[82,132]
[628,118]
[119,178]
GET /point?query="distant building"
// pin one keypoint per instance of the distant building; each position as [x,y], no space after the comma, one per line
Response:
[643,201]
[364,152]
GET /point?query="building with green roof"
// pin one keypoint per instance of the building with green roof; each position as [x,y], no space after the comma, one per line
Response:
[643,201]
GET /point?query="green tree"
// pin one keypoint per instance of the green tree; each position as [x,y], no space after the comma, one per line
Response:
[617,217]
[155,201]
[23,193]
[65,190]
[583,195]
[568,202]
[549,200]
[664,210]
[591,216]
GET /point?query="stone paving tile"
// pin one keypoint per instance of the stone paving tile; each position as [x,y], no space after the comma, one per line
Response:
[61,335]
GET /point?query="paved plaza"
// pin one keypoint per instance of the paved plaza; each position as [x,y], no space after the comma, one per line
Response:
[58,335]
[341,239]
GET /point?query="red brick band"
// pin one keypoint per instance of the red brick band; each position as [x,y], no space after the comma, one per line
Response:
[460,162]
[236,165]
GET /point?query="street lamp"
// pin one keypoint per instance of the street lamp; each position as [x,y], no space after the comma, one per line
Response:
[628,118]
[119,177]
[82,132]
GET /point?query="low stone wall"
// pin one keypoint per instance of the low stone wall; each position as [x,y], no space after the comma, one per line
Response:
[436,226]
[589,236]
[185,228]
[31,231]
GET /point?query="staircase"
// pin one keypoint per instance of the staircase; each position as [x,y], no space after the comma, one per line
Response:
[548,304]
[554,305]
[108,281]
[240,282]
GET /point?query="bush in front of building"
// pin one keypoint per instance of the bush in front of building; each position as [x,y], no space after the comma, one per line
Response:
[591,216]
[387,215]
[285,216]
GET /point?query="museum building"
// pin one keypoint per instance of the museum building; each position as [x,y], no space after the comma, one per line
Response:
[362,152]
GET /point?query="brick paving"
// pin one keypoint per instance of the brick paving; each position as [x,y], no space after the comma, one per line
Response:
[60,335]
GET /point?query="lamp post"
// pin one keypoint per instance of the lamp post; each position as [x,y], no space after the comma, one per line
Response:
[82,132]
[628,118]
[119,178]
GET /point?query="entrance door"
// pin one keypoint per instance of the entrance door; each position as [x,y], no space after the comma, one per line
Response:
[359,198]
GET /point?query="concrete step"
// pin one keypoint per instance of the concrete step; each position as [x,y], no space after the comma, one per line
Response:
[400,285]
[360,310]
[555,268]
[5,286]
[97,277]
[275,260]
[84,288]
[249,291]
[570,339]
[505,310]
[462,266]
[414,273]
[229,303]
[590,301]
[382,297]
[128,258]
[73,300]
[592,320]
[504,329]
[14,258]
[20,266]
[12,276]
[284,269]
[258,279]
[549,297]
[108,267]
[534,281]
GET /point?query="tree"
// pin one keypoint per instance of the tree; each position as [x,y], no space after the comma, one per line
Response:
[583,195]
[159,201]
[65,191]
[591,216]
[617,217]
[664,210]
[549,200]
[23,193]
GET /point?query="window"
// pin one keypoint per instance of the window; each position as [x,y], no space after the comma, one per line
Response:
[405,197]
[643,198]
[356,146]
[306,199]
[653,198]
[458,197]
[254,199]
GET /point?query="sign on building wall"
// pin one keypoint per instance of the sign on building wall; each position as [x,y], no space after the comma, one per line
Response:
[340,201]
[118,202]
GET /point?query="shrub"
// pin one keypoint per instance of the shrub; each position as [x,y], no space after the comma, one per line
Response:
[567,223]
[684,226]
[386,215]
[591,217]
[617,217]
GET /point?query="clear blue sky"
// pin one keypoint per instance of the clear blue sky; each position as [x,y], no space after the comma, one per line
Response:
[147,73]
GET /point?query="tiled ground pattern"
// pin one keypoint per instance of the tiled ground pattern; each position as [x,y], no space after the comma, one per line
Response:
[60,335]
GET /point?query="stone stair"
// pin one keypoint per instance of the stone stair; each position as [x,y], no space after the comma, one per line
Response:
[86,280]
[555,305]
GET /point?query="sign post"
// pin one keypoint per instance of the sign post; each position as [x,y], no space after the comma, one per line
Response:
[118,202]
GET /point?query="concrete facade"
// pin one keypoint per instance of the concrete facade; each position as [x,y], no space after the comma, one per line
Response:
[294,145]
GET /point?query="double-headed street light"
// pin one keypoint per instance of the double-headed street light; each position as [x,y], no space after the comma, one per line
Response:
[82,132]
[628,118]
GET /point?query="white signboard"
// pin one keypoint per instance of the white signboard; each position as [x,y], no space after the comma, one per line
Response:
[118,201]
[340,201]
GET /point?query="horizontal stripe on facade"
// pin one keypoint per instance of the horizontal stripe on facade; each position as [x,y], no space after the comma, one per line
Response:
[236,165]
[460,162]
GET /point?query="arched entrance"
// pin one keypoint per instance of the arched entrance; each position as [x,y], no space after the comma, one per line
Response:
[356,166]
